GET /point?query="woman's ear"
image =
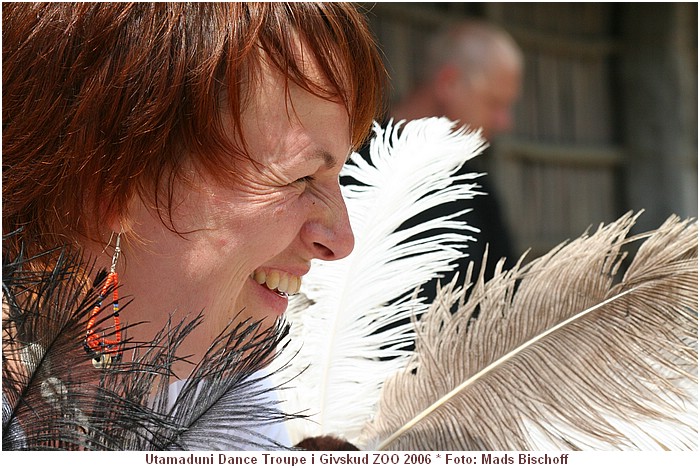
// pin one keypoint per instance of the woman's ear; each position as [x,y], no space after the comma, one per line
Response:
[117,219]
[115,223]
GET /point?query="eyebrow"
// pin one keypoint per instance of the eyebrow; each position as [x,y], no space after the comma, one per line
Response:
[329,160]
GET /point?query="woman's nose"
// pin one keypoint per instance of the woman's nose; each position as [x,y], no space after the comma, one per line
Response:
[330,235]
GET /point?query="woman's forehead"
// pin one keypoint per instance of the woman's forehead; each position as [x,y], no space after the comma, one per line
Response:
[275,94]
[282,112]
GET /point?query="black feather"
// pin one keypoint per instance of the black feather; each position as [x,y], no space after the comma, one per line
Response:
[54,398]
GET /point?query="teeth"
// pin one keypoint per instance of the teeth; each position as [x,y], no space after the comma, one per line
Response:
[272,280]
[283,284]
[294,284]
[279,281]
[259,276]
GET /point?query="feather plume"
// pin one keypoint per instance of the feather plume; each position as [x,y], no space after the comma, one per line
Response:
[566,352]
[53,397]
[341,320]
[582,348]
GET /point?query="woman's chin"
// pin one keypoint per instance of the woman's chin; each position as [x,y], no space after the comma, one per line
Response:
[259,302]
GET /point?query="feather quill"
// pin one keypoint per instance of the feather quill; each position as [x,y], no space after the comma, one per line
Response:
[53,397]
[340,320]
[566,352]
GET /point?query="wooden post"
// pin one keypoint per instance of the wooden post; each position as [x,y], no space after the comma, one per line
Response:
[659,116]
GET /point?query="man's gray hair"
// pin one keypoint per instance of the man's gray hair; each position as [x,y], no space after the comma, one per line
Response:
[470,45]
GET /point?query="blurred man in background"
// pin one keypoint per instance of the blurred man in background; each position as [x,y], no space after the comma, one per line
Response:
[472,75]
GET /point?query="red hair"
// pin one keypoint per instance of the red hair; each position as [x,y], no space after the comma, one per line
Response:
[102,101]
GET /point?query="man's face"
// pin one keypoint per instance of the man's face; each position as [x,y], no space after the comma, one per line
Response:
[486,101]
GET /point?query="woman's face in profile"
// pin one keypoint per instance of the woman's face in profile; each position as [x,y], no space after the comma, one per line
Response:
[248,243]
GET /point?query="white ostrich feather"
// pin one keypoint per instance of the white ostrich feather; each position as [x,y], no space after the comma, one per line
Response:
[576,349]
[341,353]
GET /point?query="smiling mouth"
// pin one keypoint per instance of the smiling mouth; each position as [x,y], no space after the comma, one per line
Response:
[277,281]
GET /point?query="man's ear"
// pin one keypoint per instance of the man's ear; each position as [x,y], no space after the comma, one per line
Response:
[446,80]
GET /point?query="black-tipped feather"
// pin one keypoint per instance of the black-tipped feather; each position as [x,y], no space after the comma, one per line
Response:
[54,398]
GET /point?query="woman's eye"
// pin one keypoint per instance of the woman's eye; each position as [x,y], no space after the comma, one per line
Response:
[303,180]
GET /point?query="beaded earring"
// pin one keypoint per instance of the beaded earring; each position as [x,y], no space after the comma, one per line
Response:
[105,352]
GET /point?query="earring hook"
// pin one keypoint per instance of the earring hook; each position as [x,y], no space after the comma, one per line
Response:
[117,251]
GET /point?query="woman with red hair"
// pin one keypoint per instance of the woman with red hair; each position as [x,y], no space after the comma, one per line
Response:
[190,149]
